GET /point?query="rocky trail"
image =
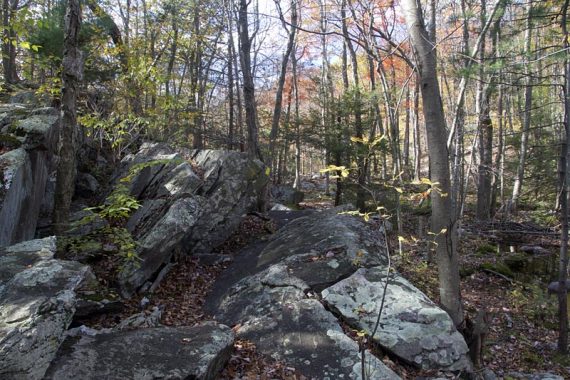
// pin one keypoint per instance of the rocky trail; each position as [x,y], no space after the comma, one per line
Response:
[173,274]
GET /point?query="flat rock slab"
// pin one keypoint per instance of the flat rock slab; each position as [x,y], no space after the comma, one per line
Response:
[37,298]
[324,247]
[412,326]
[272,310]
[197,352]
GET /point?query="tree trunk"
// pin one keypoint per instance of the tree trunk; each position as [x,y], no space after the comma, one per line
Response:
[564,187]
[417,133]
[358,128]
[443,221]
[9,9]
[231,105]
[248,85]
[527,115]
[72,75]
[281,83]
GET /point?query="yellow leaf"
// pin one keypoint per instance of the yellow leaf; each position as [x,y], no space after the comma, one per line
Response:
[399,190]
[362,140]
[402,239]
[267,171]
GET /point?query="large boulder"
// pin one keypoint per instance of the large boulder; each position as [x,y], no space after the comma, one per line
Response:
[198,352]
[16,185]
[190,203]
[276,303]
[272,310]
[412,327]
[156,247]
[25,169]
[37,298]
[232,183]
[286,195]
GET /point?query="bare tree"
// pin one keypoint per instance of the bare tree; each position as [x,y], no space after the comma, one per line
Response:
[248,85]
[292,30]
[527,113]
[564,179]
[9,46]
[72,75]
[443,220]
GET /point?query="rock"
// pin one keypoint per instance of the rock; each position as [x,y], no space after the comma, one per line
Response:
[488,374]
[16,183]
[534,376]
[85,222]
[37,299]
[534,250]
[86,186]
[232,183]
[141,320]
[146,216]
[304,243]
[412,327]
[25,171]
[274,303]
[24,97]
[555,285]
[181,211]
[280,207]
[40,130]
[286,194]
[197,352]
[156,247]
[86,308]
[273,312]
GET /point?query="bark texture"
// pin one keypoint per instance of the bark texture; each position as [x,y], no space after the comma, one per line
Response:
[72,75]
[443,221]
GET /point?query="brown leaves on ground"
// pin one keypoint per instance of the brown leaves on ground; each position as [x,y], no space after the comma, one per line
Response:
[523,322]
[253,227]
[247,364]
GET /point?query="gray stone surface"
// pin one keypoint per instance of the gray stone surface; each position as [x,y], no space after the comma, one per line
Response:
[156,247]
[286,194]
[181,210]
[197,352]
[16,184]
[412,327]
[325,247]
[37,298]
[40,130]
[86,185]
[276,306]
[24,171]
[534,376]
[275,314]
[273,307]
[231,183]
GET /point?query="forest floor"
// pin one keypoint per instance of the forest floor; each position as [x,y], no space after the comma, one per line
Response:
[523,318]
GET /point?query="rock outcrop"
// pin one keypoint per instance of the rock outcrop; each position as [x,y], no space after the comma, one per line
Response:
[190,203]
[412,327]
[197,352]
[286,195]
[335,260]
[37,298]
[28,141]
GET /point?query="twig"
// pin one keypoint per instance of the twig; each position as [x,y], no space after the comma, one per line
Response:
[363,352]
[499,275]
